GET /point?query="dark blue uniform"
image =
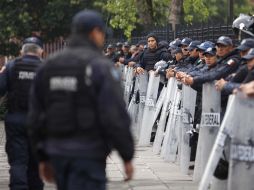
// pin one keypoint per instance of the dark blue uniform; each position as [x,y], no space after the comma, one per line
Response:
[78,115]
[189,63]
[236,80]
[225,66]
[23,165]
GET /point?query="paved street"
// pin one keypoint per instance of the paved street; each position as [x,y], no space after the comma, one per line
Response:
[151,172]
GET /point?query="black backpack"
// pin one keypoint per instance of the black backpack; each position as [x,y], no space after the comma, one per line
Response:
[21,77]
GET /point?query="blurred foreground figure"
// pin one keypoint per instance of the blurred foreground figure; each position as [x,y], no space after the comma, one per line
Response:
[15,80]
[78,113]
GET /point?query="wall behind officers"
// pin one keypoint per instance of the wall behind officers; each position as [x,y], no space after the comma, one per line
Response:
[15,80]
[78,113]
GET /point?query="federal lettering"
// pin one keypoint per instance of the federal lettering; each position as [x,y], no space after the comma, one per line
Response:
[210,119]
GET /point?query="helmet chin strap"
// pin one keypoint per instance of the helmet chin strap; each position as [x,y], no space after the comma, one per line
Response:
[239,35]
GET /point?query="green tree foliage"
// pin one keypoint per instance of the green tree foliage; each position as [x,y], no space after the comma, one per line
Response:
[202,10]
[123,15]
[126,15]
[161,12]
[50,18]
[195,10]
[242,6]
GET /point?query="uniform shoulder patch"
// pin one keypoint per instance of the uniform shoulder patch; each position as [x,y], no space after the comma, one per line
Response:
[231,62]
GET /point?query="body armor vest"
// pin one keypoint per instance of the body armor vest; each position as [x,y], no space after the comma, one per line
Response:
[70,105]
[22,75]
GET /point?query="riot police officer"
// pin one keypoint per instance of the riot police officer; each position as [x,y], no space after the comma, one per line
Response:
[235,81]
[77,111]
[152,54]
[15,80]
[228,63]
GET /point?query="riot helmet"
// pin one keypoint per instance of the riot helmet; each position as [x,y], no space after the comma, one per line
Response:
[243,26]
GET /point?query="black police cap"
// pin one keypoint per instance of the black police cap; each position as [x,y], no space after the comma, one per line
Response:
[194,44]
[177,50]
[110,46]
[186,41]
[224,40]
[33,40]
[246,44]
[175,43]
[126,44]
[163,43]
[250,55]
[205,45]
[85,21]
[210,51]
[119,44]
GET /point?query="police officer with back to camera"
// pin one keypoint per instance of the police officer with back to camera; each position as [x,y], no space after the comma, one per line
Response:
[78,113]
[15,80]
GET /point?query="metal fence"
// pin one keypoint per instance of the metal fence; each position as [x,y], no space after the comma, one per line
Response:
[52,47]
[201,32]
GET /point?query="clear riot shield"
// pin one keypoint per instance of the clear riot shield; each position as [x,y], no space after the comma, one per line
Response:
[241,164]
[142,82]
[188,111]
[120,70]
[149,110]
[159,103]
[165,138]
[227,129]
[171,140]
[124,70]
[128,84]
[210,123]
[134,105]
[164,114]
[133,110]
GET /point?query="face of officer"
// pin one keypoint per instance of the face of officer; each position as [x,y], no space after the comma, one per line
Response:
[133,49]
[194,53]
[185,50]
[243,53]
[126,49]
[250,64]
[110,50]
[141,47]
[151,42]
[97,36]
[223,50]
[200,54]
[210,60]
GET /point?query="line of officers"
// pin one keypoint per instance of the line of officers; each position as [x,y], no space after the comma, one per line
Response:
[192,62]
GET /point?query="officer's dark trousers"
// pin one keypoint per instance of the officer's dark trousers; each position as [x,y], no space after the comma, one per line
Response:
[23,166]
[79,173]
